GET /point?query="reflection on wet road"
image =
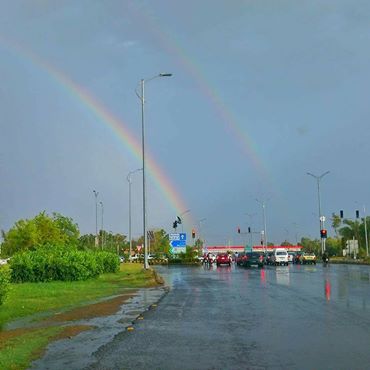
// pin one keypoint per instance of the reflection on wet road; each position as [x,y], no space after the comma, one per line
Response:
[296,317]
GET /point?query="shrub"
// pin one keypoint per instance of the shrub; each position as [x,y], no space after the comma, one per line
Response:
[61,263]
[4,283]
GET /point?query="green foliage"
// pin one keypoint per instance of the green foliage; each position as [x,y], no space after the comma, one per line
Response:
[41,230]
[51,263]
[189,256]
[285,243]
[115,243]
[69,230]
[4,283]
[334,246]
[355,229]
[335,222]
[309,245]
[160,243]
[198,245]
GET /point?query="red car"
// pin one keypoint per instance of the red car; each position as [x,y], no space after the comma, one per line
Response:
[223,259]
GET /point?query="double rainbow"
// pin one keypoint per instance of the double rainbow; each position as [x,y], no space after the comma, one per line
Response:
[108,119]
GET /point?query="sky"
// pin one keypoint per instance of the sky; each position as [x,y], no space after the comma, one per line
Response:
[262,92]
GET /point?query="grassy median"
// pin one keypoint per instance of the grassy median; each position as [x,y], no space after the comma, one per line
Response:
[49,305]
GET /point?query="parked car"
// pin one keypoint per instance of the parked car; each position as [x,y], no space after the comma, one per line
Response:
[291,256]
[253,259]
[280,257]
[308,257]
[223,259]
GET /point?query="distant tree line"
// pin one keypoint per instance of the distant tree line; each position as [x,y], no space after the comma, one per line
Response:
[344,229]
[56,229]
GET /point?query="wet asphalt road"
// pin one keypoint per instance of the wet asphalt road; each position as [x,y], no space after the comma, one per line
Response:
[296,317]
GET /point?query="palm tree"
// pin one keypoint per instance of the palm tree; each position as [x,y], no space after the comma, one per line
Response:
[335,222]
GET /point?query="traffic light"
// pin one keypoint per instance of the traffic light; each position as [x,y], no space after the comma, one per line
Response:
[357,213]
[238,230]
[249,230]
[193,233]
[175,225]
[341,213]
[179,220]
[323,233]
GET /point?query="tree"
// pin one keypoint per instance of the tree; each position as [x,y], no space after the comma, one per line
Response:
[39,231]
[310,245]
[285,243]
[198,246]
[355,229]
[68,228]
[334,246]
[335,222]
[160,243]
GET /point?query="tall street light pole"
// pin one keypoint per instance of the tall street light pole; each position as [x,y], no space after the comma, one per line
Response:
[129,207]
[102,224]
[141,96]
[366,237]
[263,203]
[96,193]
[318,179]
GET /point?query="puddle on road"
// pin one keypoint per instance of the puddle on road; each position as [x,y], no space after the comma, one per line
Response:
[78,352]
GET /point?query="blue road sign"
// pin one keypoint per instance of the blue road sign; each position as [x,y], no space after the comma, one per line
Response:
[183,236]
[178,243]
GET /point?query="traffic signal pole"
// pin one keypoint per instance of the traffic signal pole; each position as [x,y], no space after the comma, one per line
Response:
[321,218]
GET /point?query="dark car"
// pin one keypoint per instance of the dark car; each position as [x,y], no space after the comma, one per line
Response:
[223,259]
[253,259]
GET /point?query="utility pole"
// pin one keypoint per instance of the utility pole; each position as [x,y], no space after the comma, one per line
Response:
[96,193]
[321,217]
[141,96]
[263,203]
[102,225]
[129,208]
[366,237]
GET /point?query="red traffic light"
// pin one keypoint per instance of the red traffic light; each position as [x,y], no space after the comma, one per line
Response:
[323,233]
[193,233]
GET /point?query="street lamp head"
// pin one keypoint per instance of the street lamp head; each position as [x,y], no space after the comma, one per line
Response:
[165,75]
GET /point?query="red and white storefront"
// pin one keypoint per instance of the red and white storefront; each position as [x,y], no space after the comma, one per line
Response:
[256,248]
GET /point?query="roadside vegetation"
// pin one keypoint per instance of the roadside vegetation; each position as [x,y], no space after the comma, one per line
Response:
[40,307]
[344,231]
[51,275]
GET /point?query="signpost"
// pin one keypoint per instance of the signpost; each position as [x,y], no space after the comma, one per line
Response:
[248,249]
[178,242]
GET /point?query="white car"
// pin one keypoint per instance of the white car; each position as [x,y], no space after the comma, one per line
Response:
[280,257]
[291,256]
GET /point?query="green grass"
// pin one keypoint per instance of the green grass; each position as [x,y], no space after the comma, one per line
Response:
[31,298]
[18,350]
